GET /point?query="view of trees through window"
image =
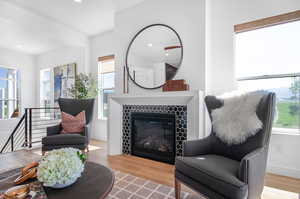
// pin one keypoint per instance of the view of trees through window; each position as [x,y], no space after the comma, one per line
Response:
[268,59]
[287,90]
[291,108]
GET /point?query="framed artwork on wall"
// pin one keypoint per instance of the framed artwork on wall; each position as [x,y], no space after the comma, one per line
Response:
[64,78]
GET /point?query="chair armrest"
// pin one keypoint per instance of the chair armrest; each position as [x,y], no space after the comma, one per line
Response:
[253,169]
[53,130]
[197,147]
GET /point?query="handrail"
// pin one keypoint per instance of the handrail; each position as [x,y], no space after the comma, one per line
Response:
[13,133]
[43,108]
[29,127]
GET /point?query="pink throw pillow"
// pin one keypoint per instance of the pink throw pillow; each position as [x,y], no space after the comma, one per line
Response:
[73,124]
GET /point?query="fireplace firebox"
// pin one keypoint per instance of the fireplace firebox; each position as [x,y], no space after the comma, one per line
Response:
[153,136]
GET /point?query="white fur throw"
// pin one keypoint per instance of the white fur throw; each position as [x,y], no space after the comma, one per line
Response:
[236,120]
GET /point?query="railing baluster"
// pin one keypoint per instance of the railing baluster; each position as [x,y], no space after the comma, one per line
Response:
[30,128]
[26,127]
[29,131]
[12,143]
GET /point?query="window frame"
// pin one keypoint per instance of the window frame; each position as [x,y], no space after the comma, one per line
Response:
[100,86]
[17,98]
[263,23]
[268,21]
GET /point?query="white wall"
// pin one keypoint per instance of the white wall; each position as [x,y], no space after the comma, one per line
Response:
[221,16]
[25,63]
[188,19]
[100,45]
[188,22]
[62,56]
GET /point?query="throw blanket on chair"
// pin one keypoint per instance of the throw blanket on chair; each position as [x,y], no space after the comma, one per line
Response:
[236,120]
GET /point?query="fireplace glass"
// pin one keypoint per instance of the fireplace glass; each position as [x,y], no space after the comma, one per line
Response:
[153,136]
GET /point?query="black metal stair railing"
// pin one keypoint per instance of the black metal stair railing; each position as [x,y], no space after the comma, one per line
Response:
[31,128]
[17,139]
[38,120]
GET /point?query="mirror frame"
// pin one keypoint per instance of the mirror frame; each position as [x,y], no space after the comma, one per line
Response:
[133,39]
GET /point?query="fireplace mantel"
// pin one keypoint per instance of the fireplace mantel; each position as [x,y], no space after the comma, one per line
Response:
[159,98]
[192,99]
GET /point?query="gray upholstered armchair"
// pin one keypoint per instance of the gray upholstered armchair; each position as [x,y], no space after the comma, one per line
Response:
[55,140]
[219,171]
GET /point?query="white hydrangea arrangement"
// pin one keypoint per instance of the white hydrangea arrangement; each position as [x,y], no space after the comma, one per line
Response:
[61,166]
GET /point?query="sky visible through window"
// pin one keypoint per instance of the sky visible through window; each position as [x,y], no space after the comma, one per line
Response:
[272,51]
[8,92]
[106,78]
[268,51]
[3,74]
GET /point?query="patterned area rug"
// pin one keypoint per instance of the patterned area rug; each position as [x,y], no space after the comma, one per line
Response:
[131,187]
[126,186]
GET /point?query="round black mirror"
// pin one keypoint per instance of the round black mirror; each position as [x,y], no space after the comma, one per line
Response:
[154,56]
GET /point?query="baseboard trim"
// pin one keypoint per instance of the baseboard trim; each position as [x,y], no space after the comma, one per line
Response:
[99,138]
[284,171]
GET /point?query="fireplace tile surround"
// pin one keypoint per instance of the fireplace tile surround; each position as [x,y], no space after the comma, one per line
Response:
[179,111]
[191,103]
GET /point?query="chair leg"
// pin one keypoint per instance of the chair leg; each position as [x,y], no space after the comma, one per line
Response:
[84,151]
[177,189]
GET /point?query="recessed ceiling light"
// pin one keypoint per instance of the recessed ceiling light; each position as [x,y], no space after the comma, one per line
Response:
[150,45]
[19,46]
[78,1]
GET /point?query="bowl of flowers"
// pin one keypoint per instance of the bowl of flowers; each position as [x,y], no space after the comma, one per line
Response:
[61,168]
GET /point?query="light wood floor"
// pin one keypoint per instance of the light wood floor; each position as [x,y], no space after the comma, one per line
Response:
[277,187]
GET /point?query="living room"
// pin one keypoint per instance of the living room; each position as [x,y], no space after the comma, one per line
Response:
[98,54]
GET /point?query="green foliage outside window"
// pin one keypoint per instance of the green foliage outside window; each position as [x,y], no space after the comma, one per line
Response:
[289,110]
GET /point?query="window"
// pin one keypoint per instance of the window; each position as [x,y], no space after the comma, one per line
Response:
[106,81]
[268,58]
[45,88]
[9,93]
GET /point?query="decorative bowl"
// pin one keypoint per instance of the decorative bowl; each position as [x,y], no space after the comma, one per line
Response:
[61,186]
[17,192]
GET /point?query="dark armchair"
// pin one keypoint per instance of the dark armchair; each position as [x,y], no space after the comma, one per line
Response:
[219,171]
[56,140]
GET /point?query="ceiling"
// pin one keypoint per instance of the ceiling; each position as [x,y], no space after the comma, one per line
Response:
[90,16]
[37,26]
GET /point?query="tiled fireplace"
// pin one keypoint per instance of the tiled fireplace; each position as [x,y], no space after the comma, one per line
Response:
[154,131]
[152,124]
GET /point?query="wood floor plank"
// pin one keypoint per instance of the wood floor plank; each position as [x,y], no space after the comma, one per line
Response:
[282,182]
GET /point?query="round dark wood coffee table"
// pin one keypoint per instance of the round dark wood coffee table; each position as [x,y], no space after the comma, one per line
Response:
[96,182]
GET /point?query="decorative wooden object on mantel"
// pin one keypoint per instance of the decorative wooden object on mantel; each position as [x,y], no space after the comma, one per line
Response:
[176,85]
